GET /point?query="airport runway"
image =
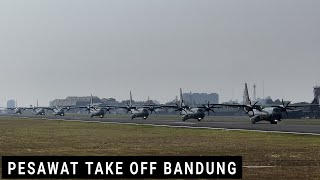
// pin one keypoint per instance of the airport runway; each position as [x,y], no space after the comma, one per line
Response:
[308,129]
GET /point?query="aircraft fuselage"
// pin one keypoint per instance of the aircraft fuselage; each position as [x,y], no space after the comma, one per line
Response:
[143,113]
[98,113]
[17,111]
[40,112]
[271,114]
[59,112]
[198,114]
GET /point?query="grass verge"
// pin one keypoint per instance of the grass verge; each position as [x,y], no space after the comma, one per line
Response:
[293,156]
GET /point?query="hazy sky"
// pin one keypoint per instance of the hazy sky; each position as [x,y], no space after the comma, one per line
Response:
[53,49]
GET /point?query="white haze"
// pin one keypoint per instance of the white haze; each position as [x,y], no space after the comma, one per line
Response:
[54,49]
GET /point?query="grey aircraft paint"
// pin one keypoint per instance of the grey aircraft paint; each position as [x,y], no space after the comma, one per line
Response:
[192,113]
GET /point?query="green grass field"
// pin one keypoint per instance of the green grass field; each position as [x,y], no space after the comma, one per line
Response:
[292,156]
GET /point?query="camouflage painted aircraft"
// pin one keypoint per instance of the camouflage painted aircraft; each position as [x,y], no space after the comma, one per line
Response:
[257,113]
[60,111]
[17,110]
[96,110]
[37,110]
[100,111]
[129,106]
[89,107]
[188,112]
[139,111]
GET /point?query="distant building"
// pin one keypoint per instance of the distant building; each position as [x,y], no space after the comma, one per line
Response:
[82,101]
[200,98]
[75,101]
[11,103]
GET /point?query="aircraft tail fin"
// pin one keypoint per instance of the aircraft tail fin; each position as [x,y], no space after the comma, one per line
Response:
[315,101]
[181,98]
[130,99]
[91,100]
[246,98]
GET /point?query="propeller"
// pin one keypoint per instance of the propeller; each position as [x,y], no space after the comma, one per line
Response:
[33,109]
[129,108]
[208,108]
[89,108]
[284,107]
[108,109]
[181,108]
[251,107]
[152,109]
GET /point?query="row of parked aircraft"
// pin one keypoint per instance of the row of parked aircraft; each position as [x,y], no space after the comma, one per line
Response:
[256,112]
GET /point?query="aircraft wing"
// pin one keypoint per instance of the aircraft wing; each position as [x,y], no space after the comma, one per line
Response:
[68,107]
[46,108]
[250,107]
[123,107]
[108,107]
[297,106]
[83,106]
[31,107]
[213,107]
[234,105]
[171,106]
[153,106]
[126,107]
[17,108]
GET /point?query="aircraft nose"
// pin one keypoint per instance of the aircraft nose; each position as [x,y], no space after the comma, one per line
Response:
[279,116]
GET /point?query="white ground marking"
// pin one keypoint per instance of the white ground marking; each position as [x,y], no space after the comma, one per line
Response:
[182,123]
[259,166]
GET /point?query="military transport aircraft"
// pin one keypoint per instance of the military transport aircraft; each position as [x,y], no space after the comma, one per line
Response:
[182,108]
[89,107]
[188,112]
[135,111]
[17,110]
[257,113]
[60,111]
[37,110]
[101,111]
[129,106]
[152,108]
[139,111]
[96,110]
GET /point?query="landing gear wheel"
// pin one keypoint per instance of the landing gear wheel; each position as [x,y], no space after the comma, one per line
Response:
[274,122]
[101,116]
[199,119]
[253,121]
